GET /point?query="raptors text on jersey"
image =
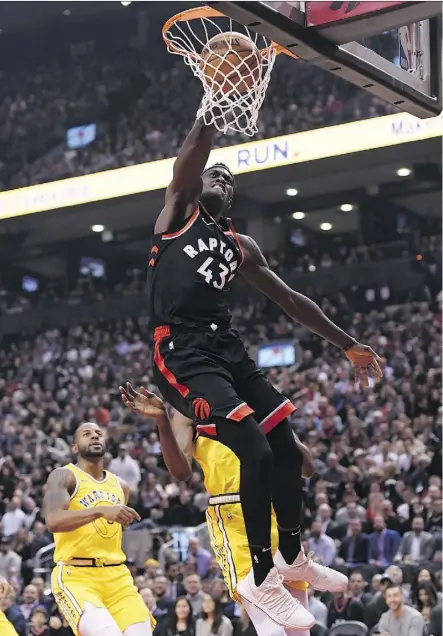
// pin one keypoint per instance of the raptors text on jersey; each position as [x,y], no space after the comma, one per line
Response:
[190,271]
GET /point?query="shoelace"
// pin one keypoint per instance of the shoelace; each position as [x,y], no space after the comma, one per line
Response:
[282,603]
[318,569]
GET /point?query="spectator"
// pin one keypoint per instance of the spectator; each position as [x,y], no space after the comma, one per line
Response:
[14,519]
[202,557]
[354,549]
[161,590]
[244,626]
[38,625]
[176,588]
[213,621]
[400,619]
[357,586]
[344,608]
[435,623]
[322,545]
[377,607]
[30,601]
[8,558]
[318,609]
[125,467]
[324,515]
[384,543]
[194,593]
[151,603]
[416,545]
[180,623]
[334,473]
[426,601]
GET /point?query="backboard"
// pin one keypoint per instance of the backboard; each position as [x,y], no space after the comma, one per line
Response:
[336,36]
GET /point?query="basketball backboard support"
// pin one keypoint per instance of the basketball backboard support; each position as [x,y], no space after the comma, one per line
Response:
[326,33]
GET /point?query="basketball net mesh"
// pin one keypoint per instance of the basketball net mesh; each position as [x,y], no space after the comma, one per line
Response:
[233,103]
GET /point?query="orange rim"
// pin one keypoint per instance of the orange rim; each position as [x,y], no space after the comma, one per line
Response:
[208,12]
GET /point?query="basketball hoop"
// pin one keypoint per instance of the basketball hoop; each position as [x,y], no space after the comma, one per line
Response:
[233,93]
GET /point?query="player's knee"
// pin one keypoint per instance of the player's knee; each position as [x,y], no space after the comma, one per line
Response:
[281,440]
[97,621]
[139,629]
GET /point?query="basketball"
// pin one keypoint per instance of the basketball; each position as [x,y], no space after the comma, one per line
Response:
[230,62]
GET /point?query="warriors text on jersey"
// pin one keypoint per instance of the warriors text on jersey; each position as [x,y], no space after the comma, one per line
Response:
[190,271]
[100,539]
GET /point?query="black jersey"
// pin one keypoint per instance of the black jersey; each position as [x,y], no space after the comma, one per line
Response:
[190,270]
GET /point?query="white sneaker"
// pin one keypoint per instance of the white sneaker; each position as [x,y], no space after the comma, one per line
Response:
[273,599]
[318,576]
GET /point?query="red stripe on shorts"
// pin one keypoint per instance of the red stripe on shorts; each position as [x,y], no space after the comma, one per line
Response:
[167,373]
[240,412]
[277,415]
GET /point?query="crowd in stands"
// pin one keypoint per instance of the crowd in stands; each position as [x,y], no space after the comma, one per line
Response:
[294,259]
[373,509]
[143,107]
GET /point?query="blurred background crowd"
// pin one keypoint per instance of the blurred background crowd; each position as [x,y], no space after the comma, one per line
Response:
[137,102]
[374,506]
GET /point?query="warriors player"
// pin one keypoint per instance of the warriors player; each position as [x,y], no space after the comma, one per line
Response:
[85,507]
[6,628]
[203,370]
[180,444]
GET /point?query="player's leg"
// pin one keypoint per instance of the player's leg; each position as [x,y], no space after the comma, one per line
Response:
[190,373]
[97,621]
[139,629]
[264,626]
[272,409]
[227,534]
[200,389]
[302,598]
[80,602]
[125,604]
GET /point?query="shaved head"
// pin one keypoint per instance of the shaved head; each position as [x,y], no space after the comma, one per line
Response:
[89,441]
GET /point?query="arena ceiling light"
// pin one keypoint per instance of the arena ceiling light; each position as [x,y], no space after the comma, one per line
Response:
[326,227]
[125,3]
[298,216]
[346,207]
[97,228]
[403,172]
[292,192]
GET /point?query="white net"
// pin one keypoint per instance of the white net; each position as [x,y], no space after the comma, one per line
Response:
[233,64]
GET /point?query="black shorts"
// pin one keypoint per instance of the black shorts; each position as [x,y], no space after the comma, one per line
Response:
[206,374]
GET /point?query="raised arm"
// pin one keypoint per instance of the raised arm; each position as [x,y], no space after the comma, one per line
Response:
[59,489]
[175,435]
[184,191]
[256,271]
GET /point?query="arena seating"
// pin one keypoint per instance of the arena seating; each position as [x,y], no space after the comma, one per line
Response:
[377,451]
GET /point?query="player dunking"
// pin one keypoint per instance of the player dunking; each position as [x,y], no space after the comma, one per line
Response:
[221,470]
[85,507]
[202,368]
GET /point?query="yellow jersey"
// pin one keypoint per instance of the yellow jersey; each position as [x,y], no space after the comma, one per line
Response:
[6,628]
[220,466]
[100,539]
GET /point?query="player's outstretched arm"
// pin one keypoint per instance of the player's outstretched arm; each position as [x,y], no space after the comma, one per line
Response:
[175,435]
[59,489]
[185,188]
[256,271]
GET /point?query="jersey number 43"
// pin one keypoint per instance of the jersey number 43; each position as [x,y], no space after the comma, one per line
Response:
[222,275]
